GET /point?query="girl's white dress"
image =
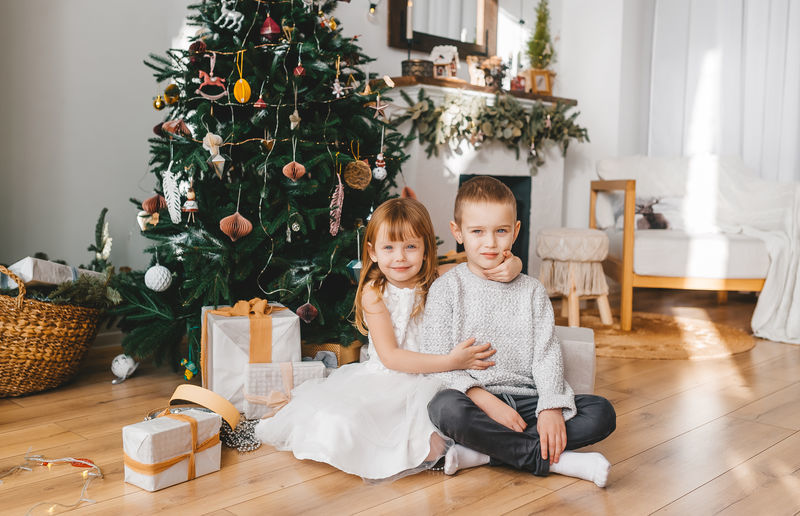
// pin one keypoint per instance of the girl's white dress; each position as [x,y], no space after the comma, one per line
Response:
[364,419]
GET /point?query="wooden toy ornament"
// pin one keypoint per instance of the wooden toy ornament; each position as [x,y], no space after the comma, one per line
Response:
[241,90]
[210,80]
[190,206]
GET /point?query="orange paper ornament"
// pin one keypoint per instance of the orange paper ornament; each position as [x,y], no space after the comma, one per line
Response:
[294,170]
[154,204]
[235,226]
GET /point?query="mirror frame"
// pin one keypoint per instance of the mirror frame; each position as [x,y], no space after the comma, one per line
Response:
[424,42]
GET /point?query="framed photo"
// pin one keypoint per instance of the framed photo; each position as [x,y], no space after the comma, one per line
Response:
[541,82]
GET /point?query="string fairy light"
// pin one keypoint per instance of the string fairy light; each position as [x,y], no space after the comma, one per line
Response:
[87,475]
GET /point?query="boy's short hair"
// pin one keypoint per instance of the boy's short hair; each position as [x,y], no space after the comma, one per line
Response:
[483,189]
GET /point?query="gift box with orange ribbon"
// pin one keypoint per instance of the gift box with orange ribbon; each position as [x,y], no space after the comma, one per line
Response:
[178,444]
[250,332]
[268,387]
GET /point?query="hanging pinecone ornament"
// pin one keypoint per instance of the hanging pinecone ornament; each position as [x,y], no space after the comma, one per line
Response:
[294,170]
[235,226]
[307,312]
[379,172]
[357,174]
[337,201]
[154,204]
[158,278]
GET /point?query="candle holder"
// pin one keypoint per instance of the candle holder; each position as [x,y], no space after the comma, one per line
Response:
[417,67]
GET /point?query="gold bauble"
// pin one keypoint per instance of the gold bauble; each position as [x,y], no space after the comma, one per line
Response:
[158,103]
[332,24]
[172,94]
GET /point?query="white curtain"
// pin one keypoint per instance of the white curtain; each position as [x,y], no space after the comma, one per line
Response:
[726,80]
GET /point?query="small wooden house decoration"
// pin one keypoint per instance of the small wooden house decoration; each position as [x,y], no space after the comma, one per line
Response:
[445,61]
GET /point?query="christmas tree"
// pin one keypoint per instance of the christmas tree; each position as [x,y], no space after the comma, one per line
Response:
[540,46]
[264,174]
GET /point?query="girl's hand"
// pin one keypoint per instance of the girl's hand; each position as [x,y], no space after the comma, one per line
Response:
[467,356]
[507,270]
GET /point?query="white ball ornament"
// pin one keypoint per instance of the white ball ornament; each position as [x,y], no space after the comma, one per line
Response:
[379,173]
[122,367]
[158,278]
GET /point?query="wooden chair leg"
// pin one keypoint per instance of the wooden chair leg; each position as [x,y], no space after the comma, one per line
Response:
[722,297]
[626,305]
[605,310]
[565,306]
[574,305]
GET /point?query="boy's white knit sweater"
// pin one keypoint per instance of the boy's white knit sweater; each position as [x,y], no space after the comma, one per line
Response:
[516,318]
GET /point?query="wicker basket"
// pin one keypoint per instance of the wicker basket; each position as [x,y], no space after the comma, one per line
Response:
[344,354]
[41,344]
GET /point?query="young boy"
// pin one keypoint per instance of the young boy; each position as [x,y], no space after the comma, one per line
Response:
[521,412]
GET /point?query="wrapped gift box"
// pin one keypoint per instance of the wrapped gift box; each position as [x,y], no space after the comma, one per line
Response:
[34,271]
[268,387]
[227,349]
[161,452]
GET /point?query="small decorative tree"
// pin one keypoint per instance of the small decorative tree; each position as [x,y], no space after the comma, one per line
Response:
[540,46]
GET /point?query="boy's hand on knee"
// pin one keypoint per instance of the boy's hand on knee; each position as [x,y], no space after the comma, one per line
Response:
[507,270]
[552,433]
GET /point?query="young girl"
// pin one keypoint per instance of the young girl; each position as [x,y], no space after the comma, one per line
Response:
[370,419]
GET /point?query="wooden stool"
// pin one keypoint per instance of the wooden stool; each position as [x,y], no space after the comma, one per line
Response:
[572,268]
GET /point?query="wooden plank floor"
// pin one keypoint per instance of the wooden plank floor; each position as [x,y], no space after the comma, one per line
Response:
[693,437]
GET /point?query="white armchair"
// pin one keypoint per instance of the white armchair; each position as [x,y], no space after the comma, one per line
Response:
[695,252]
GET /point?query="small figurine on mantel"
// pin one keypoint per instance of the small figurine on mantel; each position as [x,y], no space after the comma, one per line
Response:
[445,61]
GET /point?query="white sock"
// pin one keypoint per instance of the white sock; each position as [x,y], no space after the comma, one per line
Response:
[461,457]
[585,465]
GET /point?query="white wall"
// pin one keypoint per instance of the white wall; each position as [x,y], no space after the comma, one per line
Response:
[77,112]
[76,106]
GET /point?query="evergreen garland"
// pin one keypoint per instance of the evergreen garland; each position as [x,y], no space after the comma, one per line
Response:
[468,118]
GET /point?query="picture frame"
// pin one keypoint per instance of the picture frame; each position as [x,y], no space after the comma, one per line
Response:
[541,82]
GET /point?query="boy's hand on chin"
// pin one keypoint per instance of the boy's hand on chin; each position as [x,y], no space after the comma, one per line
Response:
[507,270]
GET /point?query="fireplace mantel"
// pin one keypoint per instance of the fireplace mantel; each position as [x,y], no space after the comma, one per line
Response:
[435,180]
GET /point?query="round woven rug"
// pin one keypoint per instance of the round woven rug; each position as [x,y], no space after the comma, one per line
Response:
[662,337]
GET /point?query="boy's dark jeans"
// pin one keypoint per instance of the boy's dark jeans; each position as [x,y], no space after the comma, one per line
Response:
[459,418]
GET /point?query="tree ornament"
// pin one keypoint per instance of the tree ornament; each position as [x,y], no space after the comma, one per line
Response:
[270,31]
[295,226]
[122,366]
[169,186]
[294,120]
[158,278]
[307,312]
[288,31]
[236,226]
[337,202]
[208,79]
[212,142]
[177,127]
[230,19]
[241,90]
[172,94]
[355,266]
[338,90]
[332,24]
[357,174]
[159,103]
[268,143]
[157,129]
[299,71]
[379,107]
[154,204]
[196,52]
[294,170]
[190,369]
[218,162]
[260,104]
[379,172]
[144,218]
[190,206]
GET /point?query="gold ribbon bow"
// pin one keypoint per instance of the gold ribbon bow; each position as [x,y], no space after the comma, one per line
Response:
[259,311]
[158,467]
[276,400]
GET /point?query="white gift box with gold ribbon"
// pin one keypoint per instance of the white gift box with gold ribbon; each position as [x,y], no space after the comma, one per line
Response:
[268,387]
[171,449]
[248,332]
